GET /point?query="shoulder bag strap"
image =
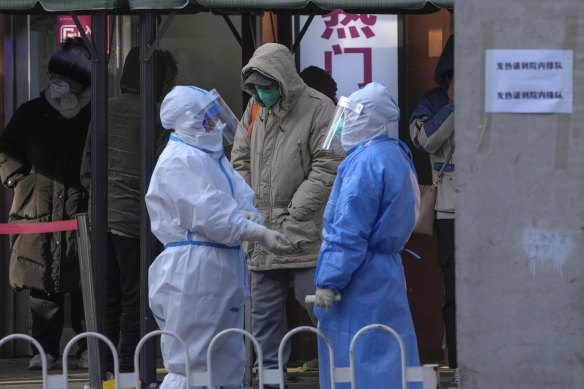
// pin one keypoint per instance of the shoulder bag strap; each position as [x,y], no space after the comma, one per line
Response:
[439,176]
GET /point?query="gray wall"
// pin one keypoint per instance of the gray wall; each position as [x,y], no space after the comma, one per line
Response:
[520,218]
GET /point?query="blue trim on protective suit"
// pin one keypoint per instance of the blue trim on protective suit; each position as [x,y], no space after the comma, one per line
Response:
[177,139]
[189,241]
[158,317]
[412,253]
[200,243]
[226,175]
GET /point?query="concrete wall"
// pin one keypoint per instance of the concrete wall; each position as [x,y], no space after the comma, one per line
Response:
[520,214]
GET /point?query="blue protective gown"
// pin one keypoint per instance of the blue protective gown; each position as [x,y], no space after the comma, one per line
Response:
[367,222]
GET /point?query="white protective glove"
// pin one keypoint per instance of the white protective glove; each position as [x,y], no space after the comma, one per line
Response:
[324,298]
[274,241]
[251,216]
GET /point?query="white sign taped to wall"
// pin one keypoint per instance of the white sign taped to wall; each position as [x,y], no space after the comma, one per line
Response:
[529,81]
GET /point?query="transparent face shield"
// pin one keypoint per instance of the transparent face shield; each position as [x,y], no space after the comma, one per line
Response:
[218,117]
[344,108]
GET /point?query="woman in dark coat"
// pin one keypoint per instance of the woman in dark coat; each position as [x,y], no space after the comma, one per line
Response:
[40,158]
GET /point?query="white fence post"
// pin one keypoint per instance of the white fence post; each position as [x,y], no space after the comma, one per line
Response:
[249,336]
[39,348]
[88,335]
[132,379]
[332,371]
[427,374]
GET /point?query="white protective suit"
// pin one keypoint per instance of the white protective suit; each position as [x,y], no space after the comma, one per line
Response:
[197,285]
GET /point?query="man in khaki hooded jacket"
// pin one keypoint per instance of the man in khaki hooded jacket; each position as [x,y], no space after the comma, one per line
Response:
[282,159]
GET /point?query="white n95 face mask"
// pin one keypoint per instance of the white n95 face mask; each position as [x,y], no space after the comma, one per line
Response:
[58,88]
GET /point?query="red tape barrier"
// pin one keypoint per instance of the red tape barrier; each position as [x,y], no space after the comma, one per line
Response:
[36,228]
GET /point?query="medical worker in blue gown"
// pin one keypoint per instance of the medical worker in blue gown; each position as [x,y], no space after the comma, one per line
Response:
[201,210]
[367,222]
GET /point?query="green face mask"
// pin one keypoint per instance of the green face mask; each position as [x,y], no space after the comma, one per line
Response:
[339,129]
[269,96]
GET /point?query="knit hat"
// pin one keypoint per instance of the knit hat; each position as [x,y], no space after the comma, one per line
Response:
[72,60]
[320,80]
[256,78]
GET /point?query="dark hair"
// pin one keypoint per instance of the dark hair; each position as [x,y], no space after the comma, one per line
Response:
[166,71]
[72,60]
[320,80]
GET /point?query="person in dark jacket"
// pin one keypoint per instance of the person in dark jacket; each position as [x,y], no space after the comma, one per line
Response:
[432,131]
[124,199]
[40,156]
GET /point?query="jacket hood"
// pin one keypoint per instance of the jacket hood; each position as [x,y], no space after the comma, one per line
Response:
[445,66]
[275,61]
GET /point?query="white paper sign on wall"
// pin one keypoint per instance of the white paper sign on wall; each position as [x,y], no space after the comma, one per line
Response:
[529,81]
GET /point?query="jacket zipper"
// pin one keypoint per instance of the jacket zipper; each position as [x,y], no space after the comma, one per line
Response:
[271,166]
[299,145]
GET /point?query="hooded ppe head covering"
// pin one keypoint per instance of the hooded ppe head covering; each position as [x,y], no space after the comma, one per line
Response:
[378,114]
[444,71]
[320,80]
[200,118]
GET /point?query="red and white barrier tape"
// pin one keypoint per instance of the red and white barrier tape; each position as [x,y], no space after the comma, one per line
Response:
[36,228]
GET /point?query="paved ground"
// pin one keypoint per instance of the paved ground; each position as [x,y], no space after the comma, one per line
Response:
[15,375]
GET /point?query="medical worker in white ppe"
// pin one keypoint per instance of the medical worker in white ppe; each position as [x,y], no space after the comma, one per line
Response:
[368,219]
[201,210]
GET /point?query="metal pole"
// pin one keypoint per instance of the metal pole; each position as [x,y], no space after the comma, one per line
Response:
[99,82]
[248,46]
[248,34]
[148,103]
[88,292]
[301,34]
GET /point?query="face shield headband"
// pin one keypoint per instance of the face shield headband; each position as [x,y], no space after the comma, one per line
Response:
[345,107]
[217,116]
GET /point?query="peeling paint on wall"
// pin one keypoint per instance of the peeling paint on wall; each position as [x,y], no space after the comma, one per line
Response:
[546,247]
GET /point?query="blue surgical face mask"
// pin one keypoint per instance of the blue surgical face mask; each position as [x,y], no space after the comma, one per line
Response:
[269,96]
